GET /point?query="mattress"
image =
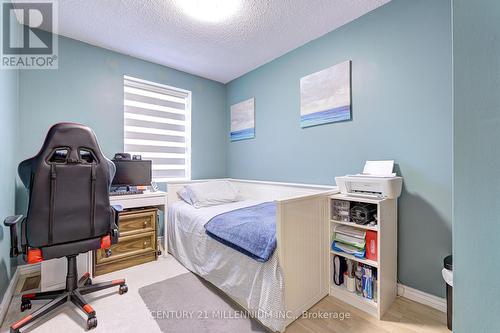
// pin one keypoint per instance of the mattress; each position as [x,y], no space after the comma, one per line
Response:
[256,286]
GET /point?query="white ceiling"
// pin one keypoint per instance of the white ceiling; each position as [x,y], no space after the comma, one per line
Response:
[158,31]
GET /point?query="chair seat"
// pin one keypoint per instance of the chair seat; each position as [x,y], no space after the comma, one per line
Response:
[54,251]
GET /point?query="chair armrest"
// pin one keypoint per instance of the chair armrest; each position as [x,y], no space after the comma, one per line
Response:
[12,222]
[116,209]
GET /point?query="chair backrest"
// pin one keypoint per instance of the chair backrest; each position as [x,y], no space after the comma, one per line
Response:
[68,183]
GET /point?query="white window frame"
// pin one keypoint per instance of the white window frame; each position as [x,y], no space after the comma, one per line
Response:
[187,126]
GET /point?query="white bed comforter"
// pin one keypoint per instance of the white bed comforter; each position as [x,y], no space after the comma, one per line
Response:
[256,286]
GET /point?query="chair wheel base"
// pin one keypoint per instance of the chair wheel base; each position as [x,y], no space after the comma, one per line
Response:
[74,293]
[91,323]
[123,289]
[25,305]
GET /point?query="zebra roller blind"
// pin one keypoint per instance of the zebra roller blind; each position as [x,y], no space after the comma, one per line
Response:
[158,127]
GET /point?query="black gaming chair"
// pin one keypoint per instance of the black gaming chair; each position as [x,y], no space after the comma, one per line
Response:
[68,213]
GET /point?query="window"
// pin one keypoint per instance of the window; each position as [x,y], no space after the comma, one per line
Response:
[157,126]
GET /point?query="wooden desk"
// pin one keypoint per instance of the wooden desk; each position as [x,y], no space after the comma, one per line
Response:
[53,272]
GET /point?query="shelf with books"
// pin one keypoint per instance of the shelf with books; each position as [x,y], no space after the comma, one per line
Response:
[384,211]
[343,290]
[367,305]
[351,257]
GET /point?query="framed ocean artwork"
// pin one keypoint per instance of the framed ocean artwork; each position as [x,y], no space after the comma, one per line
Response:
[325,96]
[243,120]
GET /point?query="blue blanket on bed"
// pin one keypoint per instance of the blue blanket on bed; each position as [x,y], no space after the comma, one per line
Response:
[249,230]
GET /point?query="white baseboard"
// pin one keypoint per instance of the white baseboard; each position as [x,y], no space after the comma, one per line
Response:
[421,297]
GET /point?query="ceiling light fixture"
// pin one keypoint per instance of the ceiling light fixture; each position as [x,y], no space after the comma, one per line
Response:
[209,10]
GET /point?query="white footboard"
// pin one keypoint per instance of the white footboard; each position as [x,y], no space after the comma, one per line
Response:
[302,239]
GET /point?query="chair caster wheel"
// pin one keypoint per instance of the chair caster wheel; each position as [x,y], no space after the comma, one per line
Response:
[123,289]
[88,282]
[25,305]
[91,323]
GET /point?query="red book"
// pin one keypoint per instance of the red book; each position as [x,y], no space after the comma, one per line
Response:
[371,245]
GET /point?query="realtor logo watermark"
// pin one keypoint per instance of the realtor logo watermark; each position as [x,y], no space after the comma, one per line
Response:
[27,41]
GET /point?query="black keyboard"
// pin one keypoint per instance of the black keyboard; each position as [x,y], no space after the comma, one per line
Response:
[115,193]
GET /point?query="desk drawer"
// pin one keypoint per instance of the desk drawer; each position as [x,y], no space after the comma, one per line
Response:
[100,269]
[137,221]
[128,246]
[136,245]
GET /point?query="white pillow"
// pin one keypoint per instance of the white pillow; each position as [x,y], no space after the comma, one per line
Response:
[212,193]
[184,195]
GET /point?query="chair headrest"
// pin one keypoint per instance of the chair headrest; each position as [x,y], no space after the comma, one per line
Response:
[72,139]
[71,135]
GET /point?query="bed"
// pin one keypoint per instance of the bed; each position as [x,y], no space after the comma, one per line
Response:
[295,277]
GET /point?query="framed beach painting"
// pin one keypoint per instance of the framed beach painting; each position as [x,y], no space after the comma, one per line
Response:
[243,120]
[325,96]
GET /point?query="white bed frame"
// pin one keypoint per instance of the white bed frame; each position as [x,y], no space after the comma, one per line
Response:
[302,234]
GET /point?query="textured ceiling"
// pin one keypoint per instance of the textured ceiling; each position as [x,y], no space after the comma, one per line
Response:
[158,31]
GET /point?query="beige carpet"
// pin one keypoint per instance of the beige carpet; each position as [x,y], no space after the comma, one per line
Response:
[115,313]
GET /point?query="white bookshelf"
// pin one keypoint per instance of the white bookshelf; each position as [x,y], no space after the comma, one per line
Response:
[386,263]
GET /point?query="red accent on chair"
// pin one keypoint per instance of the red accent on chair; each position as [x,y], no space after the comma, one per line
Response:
[119,281]
[28,296]
[16,325]
[106,242]
[34,256]
[87,308]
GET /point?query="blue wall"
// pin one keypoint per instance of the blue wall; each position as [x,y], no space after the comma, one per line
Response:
[8,136]
[476,225]
[88,88]
[401,94]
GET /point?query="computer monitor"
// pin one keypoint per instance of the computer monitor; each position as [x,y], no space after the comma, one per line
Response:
[132,173]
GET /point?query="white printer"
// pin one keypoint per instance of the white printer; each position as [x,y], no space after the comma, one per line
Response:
[376,181]
[376,187]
